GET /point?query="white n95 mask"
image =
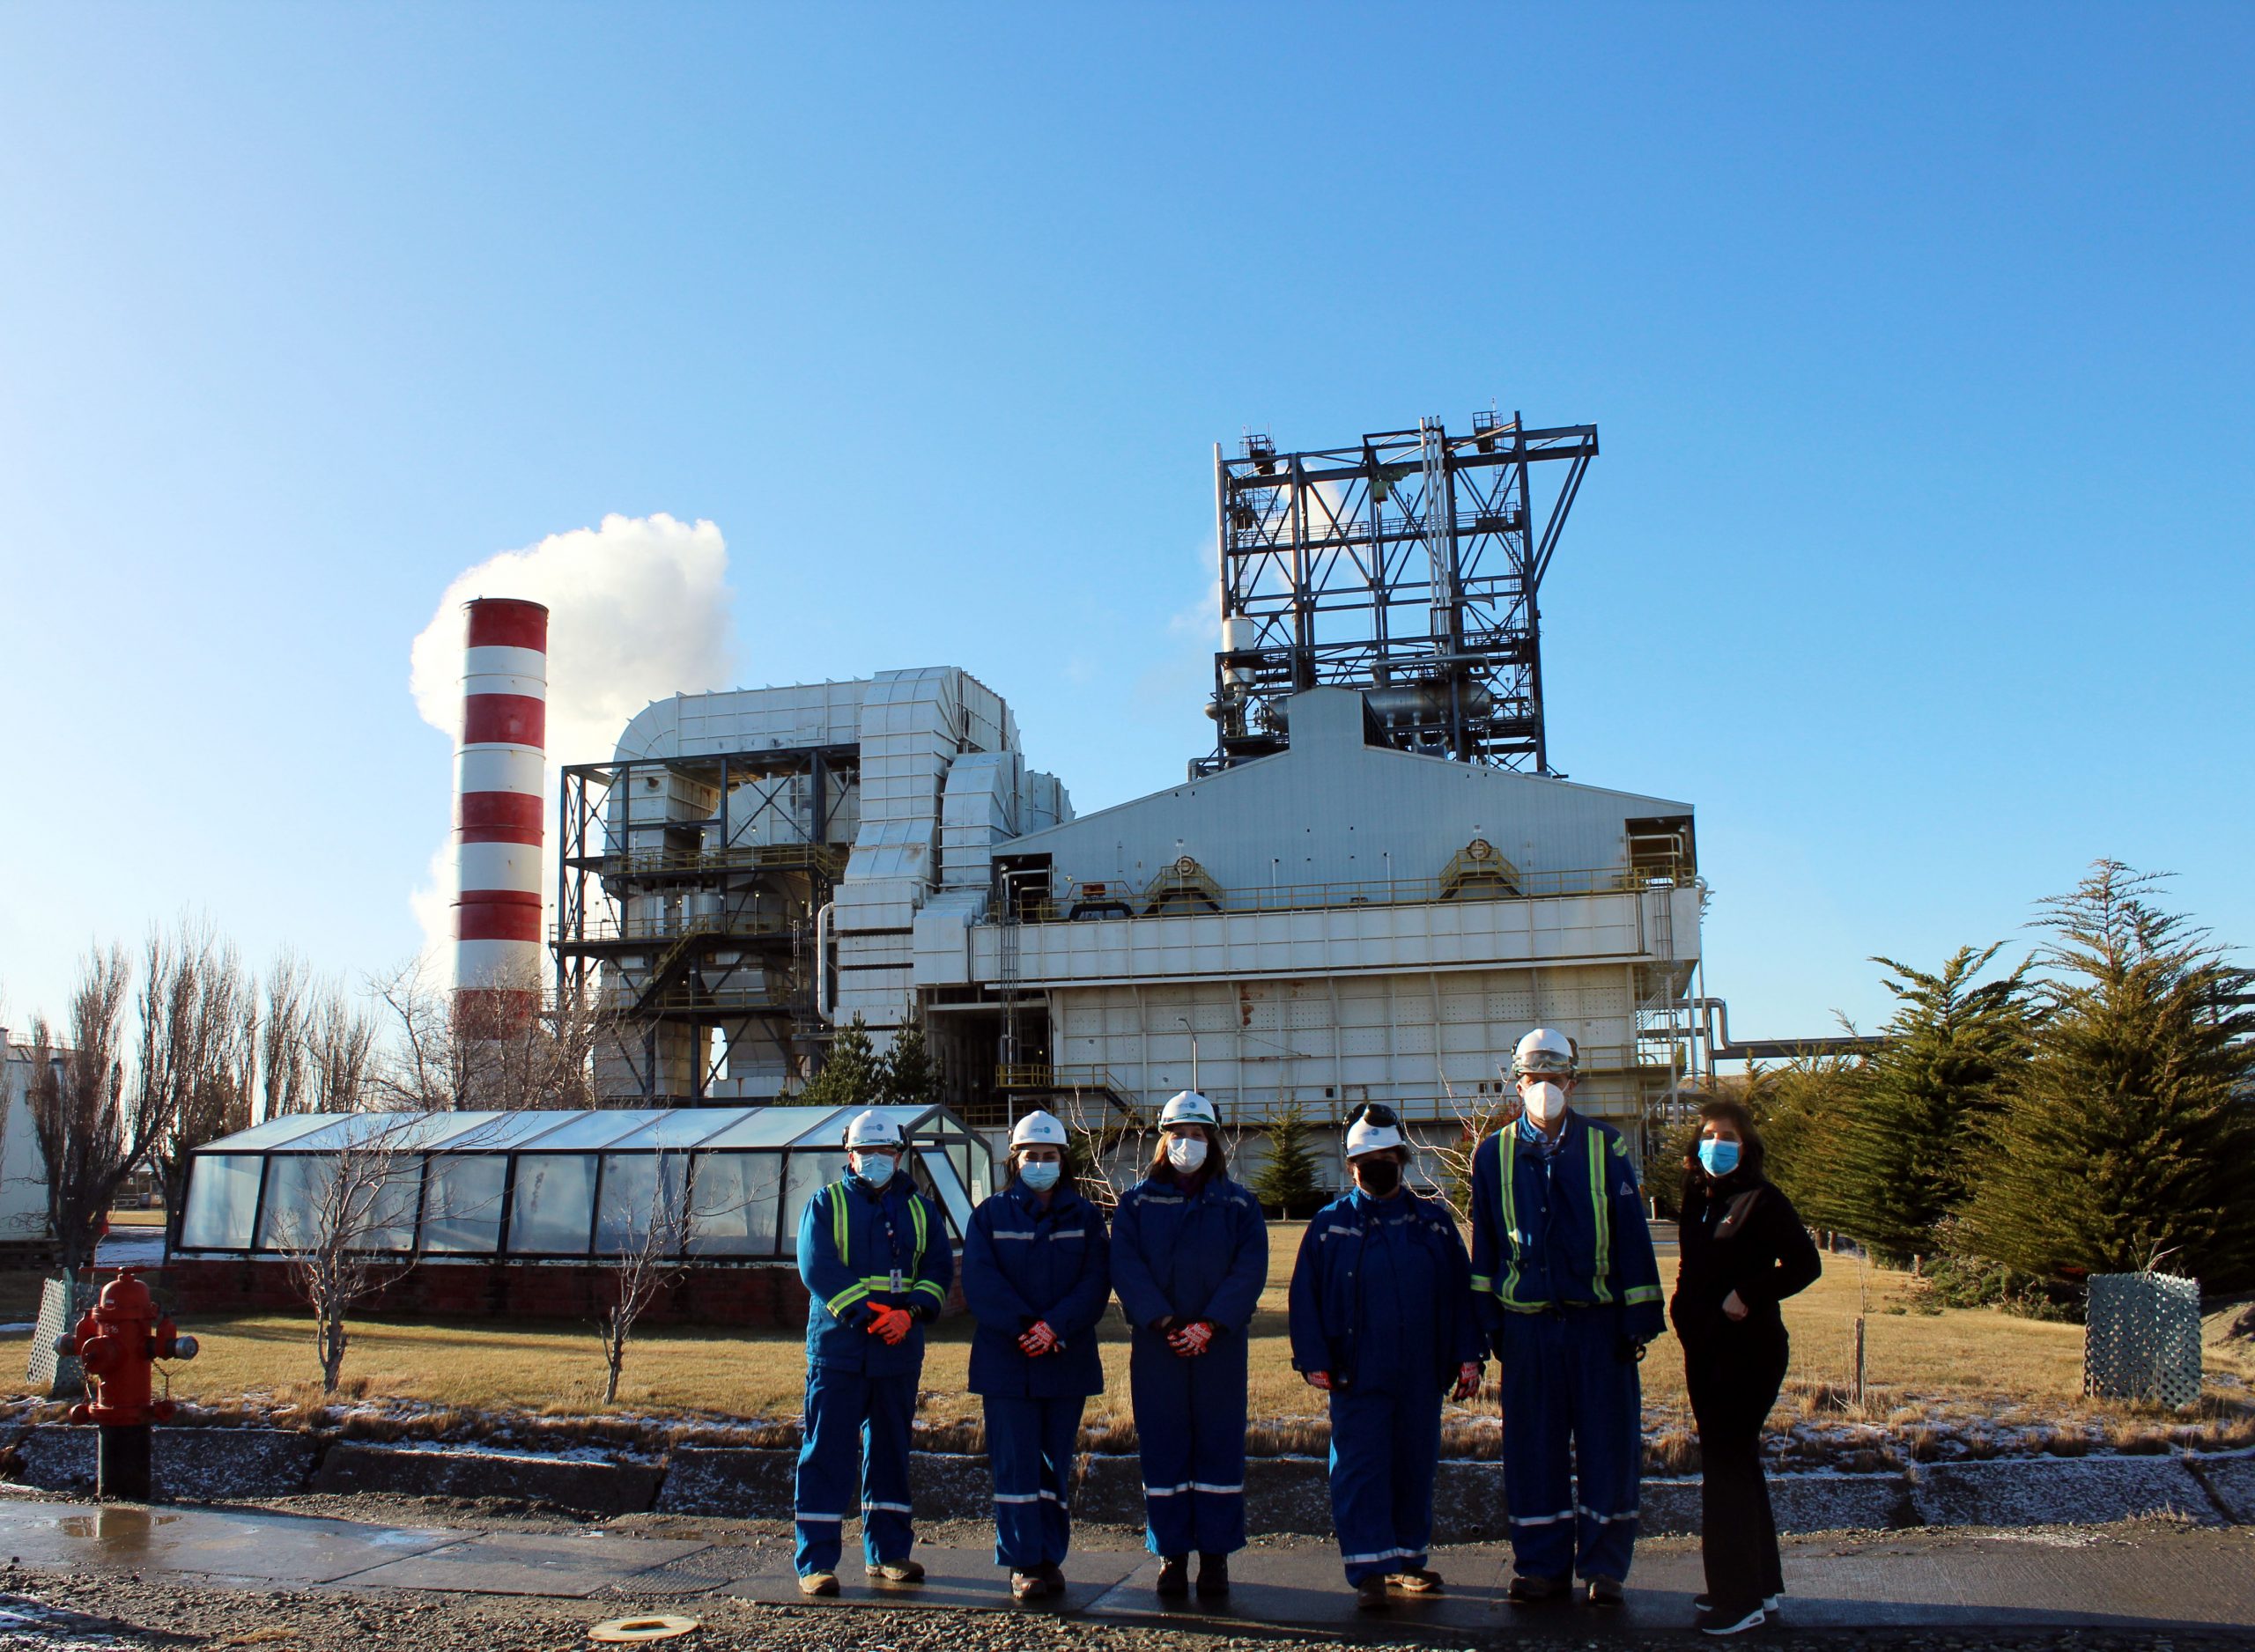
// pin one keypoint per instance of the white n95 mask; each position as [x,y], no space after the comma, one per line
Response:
[1545,1100]
[1186,1154]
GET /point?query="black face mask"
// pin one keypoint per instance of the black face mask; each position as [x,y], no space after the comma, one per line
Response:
[1379,1177]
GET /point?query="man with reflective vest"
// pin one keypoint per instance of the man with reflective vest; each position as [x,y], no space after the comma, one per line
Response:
[1567,1285]
[875,1256]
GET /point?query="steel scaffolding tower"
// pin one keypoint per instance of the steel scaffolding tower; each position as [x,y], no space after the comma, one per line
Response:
[1408,567]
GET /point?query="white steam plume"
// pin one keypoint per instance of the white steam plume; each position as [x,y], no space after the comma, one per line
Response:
[638,609]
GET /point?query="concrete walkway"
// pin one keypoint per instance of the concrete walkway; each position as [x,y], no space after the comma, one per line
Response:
[2142,1577]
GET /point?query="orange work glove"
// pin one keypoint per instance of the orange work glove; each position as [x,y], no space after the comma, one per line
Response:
[1468,1380]
[889,1324]
[1039,1339]
[1319,1379]
[1192,1339]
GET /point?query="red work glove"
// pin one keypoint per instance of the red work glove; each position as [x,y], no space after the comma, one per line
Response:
[889,1324]
[1467,1380]
[1319,1379]
[1192,1339]
[1039,1339]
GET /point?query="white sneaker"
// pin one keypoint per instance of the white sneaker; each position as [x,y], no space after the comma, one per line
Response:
[1752,1618]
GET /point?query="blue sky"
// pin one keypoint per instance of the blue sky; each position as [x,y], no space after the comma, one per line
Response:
[1919,340]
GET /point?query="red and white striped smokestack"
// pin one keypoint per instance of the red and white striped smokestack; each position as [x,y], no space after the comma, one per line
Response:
[499,814]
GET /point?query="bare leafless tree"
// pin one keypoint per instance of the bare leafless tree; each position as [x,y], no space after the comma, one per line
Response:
[440,1060]
[340,1053]
[344,1222]
[92,1133]
[282,1038]
[642,1239]
[199,1049]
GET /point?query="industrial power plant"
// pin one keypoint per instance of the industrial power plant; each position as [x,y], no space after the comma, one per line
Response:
[1367,890]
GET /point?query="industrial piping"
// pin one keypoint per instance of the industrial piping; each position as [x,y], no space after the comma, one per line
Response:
[497,816]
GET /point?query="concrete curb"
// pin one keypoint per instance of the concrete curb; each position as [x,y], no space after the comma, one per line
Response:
[1283,1494]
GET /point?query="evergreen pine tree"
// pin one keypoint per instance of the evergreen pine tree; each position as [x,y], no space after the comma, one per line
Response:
[1911,1134]
[851,1075]
[1803,1109]
[2129,1139]
[909,1077]
[1286,1183]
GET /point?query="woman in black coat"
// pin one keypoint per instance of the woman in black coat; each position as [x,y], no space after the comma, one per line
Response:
[1743,1251]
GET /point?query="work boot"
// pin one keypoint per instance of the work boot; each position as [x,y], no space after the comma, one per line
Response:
[898,1571]
[1602,1590]
[1529,1590]
[1371,1596]
[1732,1622]
[1027,1586]
[818,1582]
[1175,1577]
[1423,1580]
[1213,1576]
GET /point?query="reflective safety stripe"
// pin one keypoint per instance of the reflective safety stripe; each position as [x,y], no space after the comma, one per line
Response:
[890,1508]
[819,1520]
[1601,1214]
[1591,1513]
[841,1222]
[1237,1490]
[1541,1520]
[1017,1497]
[846,1298]
[1483,1285]
[933,1285]
[1507,1158]
[916,1215]
[1382,1555]
[1165,1491]
[1641,1294]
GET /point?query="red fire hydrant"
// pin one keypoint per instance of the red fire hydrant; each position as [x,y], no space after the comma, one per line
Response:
[120,1340]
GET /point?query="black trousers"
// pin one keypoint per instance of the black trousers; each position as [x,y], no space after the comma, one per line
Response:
[1734,1374]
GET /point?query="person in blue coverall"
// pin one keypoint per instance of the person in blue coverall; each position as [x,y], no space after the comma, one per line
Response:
[1189,1255]
[1382,1318]
[1568,1290]
[873,1253]
[1036,1274]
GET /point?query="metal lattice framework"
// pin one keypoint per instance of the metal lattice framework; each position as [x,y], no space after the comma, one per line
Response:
[1409,567]
[2141,1339]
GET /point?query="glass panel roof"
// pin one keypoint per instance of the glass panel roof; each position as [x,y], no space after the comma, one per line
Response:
[686,1126]
[272,1133]
[776,1127]
[584,1130]
[833,1129]
[491,1132]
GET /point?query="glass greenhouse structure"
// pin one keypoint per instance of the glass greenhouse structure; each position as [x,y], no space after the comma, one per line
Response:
[728,1184]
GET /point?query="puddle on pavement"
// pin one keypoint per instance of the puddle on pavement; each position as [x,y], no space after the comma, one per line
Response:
[113,1525]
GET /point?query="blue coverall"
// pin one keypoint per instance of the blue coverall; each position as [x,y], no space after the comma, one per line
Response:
[860,1249]
[1569,1289]
[1187,1256]
[1023,1265]
[1381,1299]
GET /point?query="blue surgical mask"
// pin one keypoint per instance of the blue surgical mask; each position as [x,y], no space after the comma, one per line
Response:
[876,1168]
[1040,1177]
[1721,1158]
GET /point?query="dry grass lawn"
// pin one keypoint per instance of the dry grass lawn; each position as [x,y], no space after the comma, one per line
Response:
[1956,1357]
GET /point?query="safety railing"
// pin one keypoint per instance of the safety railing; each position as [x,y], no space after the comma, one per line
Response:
[1497,881]
[668,927]
[627,863]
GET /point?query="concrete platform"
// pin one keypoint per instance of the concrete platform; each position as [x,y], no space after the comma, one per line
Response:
[961,1579]
[2144,1576]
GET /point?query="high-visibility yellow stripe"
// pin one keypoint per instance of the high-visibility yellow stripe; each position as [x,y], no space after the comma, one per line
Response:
[932,1286]
[1641,1294]
[1601,1215]
[841,1224]
[916,1215]
[1482,1285]
[846,1298]
[1507,1159]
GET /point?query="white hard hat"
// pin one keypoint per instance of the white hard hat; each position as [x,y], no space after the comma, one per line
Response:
[1543,1051]
[872,1129]
[1038,1128]
[1187,1107]
[1372,1130]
